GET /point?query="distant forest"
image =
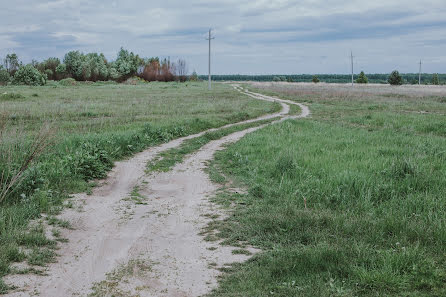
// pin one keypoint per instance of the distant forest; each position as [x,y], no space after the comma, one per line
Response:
[408,78]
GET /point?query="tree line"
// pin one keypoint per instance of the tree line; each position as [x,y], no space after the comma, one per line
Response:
[378,78]
[91,67]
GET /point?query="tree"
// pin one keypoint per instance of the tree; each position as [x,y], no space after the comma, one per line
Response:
[435,80]
[4,76]
[362,79]
[73,61]
[61,71]
[315,79]
[395,78]
[11,63]
[127,64]
[193,76]
[28,75]
[49,67]
[181,70]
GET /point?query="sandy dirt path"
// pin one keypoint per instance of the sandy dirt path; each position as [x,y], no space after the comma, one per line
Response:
[148,246]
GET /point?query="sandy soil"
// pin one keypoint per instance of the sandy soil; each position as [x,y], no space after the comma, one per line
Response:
[149,245]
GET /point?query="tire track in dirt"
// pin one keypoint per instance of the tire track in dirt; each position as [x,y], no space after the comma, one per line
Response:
[158,233]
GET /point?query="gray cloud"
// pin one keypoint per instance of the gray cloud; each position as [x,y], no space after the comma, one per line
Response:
[275,36]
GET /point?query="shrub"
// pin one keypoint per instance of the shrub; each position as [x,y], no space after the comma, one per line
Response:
[362,79]
[315,79]
[4,76]
[435,80]
[28,75]
[67,82]
[395,78]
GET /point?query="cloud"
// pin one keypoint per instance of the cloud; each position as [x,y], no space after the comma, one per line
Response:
[263,36]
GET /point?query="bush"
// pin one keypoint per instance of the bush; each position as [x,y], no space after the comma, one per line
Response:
[362,79]
[28,75]
[395,78]
[315,79]
[4,76]
[67,82]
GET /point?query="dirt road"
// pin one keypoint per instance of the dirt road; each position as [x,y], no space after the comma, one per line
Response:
[146,243]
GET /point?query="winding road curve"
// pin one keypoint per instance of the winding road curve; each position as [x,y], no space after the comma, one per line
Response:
[162,231]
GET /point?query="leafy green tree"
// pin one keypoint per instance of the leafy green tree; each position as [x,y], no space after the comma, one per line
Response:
[61,71]
[91,66]
[73,61]
[435,80]
[127,64]
[362,79]
[276,78]
[11,63]
[49,73]
[315,79]
[395,78]
[29,75]
[4,76]
[49,64]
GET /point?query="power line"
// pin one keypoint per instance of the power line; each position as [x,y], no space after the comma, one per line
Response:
[209,65]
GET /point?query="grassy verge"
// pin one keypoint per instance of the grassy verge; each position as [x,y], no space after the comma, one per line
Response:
[96,125]
[166,160]
[339,209]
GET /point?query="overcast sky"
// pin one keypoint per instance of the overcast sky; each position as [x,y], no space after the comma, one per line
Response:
[251,37]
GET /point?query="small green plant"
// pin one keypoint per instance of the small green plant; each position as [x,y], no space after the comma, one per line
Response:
[315,79]
[11,96]
[362,79]
[395,78]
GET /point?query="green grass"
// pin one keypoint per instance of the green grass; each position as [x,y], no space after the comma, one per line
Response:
[374,219]
[166,160]
[95,124]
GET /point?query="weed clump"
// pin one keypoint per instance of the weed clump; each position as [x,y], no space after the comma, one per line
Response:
[11,96]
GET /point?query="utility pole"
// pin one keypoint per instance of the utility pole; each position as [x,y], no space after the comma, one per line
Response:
[351,55]
[419,75]
[209,66]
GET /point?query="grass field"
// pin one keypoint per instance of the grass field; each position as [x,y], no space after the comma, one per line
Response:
[90,126]
[350,202]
